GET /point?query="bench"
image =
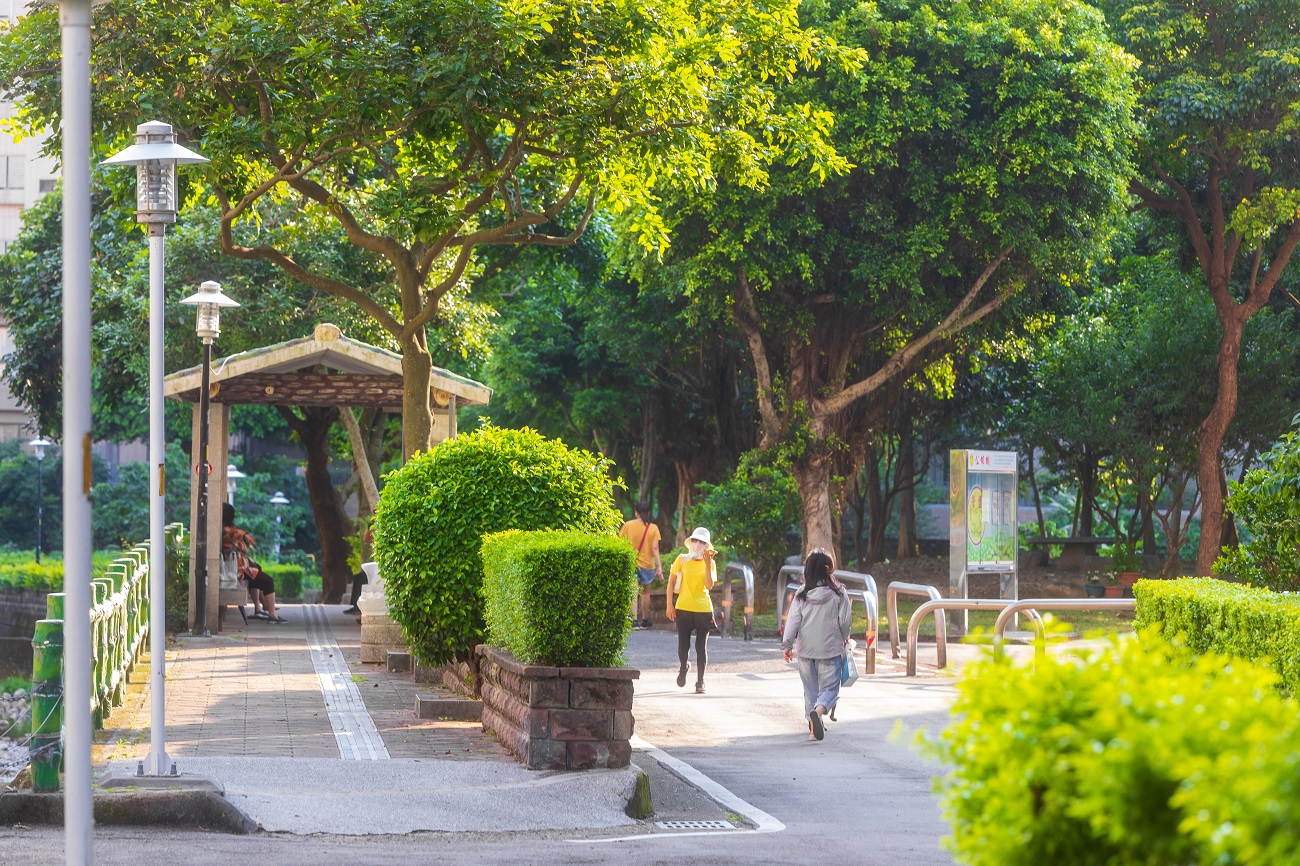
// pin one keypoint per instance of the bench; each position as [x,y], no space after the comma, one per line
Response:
[1074,548]
[236,595]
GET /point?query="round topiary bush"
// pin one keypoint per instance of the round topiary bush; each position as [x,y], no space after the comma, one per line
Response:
[435,510]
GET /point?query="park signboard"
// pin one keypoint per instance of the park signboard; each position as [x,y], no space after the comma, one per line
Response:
[983,537]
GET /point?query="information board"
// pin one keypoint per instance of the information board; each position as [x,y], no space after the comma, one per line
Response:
[983,534]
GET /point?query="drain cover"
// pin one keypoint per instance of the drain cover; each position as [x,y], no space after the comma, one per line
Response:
[695,825]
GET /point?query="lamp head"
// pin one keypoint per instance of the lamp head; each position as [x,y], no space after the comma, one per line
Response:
[39,444]
[233,473]
[155,155]
[209,300]
[279,499]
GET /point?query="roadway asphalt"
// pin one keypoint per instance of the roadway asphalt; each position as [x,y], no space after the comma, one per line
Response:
[862,795]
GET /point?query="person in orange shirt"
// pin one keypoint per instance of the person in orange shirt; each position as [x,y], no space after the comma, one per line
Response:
[644,537]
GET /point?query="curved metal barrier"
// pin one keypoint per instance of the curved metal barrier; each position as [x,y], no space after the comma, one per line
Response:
[897,588]
[729,574]
[857,585]
[919,615]
[1034,605]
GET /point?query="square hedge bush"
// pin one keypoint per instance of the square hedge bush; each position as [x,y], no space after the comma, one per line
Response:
[559,598]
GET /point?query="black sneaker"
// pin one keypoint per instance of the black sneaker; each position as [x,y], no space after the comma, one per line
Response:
[258,614]
[645,623]
[818,729]
[352,611]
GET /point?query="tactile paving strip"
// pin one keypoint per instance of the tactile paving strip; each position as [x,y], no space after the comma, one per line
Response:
[354,730]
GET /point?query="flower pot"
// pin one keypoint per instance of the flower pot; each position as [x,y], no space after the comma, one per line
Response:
[1128,578]
[1114,590]
[1094,590]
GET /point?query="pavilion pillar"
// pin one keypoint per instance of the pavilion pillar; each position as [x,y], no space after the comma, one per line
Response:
[218,450]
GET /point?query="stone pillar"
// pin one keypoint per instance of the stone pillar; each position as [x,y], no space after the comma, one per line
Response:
[379,633]
[218,445]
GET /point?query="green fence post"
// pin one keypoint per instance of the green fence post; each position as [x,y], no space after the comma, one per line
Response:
[54,605]
[47,714]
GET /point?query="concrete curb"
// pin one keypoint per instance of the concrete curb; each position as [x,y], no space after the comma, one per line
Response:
[202,809]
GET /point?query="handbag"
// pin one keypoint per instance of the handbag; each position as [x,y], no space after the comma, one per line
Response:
[848,668]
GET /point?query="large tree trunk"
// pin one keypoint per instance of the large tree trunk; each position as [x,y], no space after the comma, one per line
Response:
[417,415]
[649,446]
[1209,473]
[1087,493]
[906,475]
[332,525]
[877,509]
[814,477]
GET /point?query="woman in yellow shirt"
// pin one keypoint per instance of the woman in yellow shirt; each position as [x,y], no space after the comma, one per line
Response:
[692,576]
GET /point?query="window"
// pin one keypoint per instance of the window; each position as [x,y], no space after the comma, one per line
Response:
[6,9]
[11,171]
[47,185]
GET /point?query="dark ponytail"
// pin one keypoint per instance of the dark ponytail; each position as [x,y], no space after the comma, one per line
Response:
[818,569]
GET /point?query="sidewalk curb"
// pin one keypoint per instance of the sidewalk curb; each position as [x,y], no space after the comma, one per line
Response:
[202,809]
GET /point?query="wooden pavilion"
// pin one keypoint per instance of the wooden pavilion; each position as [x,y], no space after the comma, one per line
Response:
[325,369]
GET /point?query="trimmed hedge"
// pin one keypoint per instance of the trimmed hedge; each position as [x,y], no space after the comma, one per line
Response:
[559,598]
[1214,615]
[1134,754]
[288,576]
[434,511]
[20,570]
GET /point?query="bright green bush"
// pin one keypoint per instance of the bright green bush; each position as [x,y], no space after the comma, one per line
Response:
[753,512]
[435,510]
[20,570]
[1213,615]
[288,577]
[1134,755]
[178,577]
[559,598]
[1267,503]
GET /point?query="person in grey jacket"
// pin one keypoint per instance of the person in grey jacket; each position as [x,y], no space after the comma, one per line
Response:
[817,630]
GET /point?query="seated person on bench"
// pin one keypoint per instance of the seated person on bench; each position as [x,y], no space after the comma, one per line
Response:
[235,544]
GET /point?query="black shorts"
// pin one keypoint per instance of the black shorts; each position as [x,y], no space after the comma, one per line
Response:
[261,582]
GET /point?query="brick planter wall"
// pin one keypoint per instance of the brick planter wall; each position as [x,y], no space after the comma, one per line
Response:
[558,718]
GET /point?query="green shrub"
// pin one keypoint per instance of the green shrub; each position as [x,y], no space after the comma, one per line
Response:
[1213,615]
[178,577]
[287,576]
[559,598]
[20,570]
[753,512]
[435,510]
[1267,503]
[1134,754]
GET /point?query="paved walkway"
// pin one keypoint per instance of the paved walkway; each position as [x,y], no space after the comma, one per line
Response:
[297,690]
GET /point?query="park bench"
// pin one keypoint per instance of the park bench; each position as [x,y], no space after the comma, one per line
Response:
[231,592]
[1074,548]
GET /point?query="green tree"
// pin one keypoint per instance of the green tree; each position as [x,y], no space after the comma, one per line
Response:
[1219,84]
[990,146]
[423,130]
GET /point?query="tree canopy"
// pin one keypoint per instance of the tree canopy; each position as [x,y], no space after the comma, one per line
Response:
[989,141]
[421,130]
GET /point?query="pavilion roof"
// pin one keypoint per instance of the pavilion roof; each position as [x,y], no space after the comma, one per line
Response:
[289,374]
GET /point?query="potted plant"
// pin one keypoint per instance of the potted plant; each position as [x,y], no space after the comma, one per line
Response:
[1126,564]
[1113,589]
[1093,587]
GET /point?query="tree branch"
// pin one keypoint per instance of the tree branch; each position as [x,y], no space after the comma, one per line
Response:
[745,312]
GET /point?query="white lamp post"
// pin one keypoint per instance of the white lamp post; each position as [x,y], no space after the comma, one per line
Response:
[155,155]
[39,445]
[78,818]
[207,324]
[277,500]
[232,481]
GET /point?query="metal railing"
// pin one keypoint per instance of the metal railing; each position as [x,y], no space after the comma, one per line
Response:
[929,607]
[119,627]
[897,588]
[857,586]
[1038,604]
[729,574]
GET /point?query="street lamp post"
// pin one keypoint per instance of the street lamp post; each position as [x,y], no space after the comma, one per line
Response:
[277,500]
[207,324]
[232,480]
[155,155]
[39,445]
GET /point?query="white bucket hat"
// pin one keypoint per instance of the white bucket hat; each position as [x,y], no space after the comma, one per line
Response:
[702,534]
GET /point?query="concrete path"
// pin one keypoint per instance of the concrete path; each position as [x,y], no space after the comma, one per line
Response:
[306,739]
